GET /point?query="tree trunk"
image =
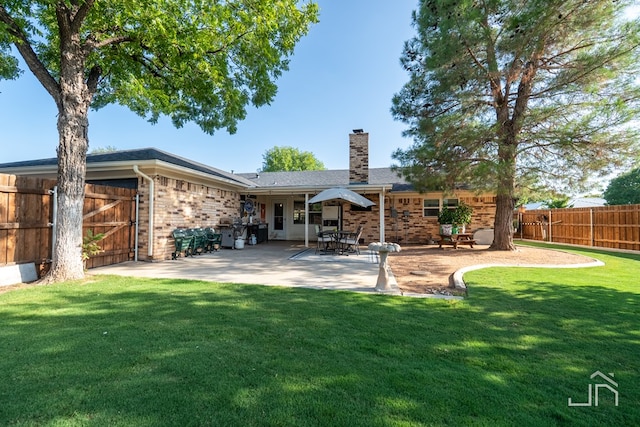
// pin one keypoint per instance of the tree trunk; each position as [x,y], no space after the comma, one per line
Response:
[503,223]
[73,122]
[72,151]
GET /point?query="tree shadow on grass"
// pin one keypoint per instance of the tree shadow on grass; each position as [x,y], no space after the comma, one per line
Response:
[171,352]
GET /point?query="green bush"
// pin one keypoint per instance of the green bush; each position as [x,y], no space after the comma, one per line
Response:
[90,245]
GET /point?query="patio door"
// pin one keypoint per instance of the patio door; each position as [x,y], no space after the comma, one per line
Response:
[279,220]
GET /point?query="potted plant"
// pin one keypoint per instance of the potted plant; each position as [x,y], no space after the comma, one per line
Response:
[446,221]
[462,216]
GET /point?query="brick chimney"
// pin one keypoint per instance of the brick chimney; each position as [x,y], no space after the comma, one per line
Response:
[358,157]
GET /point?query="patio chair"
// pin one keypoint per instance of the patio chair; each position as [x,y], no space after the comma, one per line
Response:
[199,241]
[183,243]
[351,242]
[325,239]
[214,240]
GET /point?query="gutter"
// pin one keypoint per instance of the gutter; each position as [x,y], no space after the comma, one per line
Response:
[151,203]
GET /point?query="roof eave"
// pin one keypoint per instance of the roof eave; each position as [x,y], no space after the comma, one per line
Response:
[124,169]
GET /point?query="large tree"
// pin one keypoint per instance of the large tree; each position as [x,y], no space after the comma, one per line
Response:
[279,159]
[512,93]
[200,61]
[624,189]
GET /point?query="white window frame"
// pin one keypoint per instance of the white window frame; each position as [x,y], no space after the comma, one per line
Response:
[449,202]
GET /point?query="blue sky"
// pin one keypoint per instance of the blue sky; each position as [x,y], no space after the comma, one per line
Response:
[341,77]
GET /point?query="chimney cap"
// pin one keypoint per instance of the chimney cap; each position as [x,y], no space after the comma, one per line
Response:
[358,130]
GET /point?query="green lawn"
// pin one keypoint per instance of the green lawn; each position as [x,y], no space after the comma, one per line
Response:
[117,351]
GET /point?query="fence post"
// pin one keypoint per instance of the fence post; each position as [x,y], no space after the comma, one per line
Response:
[54,221]
[591,233]
[135,249]
[550,222]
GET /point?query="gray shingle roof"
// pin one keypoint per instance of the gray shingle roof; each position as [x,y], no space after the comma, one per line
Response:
[140,154]
[324,178]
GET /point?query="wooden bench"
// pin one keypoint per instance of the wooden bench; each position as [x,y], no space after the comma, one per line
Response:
[456,239]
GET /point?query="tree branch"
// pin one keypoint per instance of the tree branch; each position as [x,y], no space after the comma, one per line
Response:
[30,57]
[78,18]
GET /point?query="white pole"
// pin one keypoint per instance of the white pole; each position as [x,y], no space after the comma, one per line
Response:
[54,222]
[135,249]
[306,220]
[151,201]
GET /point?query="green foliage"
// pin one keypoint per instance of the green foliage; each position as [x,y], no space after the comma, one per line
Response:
[445,216]
[103,150]
[90,245]
[624,189]
[505,94]
[192,61]
[558,203]
[460,215]
[279,159]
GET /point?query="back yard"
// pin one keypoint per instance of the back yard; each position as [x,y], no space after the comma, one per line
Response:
[121,352]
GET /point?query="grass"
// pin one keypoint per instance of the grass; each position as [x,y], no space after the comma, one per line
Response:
[115,351]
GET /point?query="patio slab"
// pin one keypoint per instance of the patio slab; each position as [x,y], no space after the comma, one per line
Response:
[276,263]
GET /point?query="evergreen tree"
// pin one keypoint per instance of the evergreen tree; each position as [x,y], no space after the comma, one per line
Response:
[508,93]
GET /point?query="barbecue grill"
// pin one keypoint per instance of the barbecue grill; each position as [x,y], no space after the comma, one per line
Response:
[231,232]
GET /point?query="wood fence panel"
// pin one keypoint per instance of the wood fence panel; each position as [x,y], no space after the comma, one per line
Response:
[4,218]
[26,211]
[615,227]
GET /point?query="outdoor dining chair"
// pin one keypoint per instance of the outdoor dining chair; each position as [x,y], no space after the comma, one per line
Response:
[325,239]
[351,241]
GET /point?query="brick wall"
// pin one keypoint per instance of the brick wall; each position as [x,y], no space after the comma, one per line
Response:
[180,204]
[358,158]
[419,229]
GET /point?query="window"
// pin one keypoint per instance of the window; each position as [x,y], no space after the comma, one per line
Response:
[315,213]
[431,207]
[450,203]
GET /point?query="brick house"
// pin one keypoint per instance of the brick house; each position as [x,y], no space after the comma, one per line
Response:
[175,192]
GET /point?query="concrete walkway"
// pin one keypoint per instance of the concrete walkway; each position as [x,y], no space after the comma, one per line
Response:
[275,263]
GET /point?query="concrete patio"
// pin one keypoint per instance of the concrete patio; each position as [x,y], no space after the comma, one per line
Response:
[276,263]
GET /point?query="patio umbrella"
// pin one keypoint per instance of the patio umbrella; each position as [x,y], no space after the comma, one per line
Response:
[342,194]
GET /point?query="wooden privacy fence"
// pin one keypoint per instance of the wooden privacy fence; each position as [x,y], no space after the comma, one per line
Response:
[27,217]
[606,226]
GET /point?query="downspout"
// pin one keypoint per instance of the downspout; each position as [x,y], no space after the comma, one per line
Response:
[151,223]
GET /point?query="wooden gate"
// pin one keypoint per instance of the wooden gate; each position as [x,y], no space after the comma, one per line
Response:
[26,220]
[110,211]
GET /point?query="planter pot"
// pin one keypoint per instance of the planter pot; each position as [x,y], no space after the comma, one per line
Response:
[446,229]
